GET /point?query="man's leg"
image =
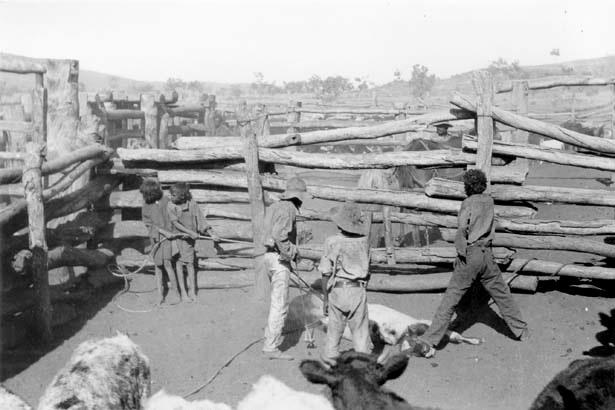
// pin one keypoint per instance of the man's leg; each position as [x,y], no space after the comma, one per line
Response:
[461,280]
[335,327]
[279,302]
[358,321]
[500,292]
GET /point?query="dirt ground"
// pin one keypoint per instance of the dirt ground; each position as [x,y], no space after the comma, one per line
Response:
[188,342]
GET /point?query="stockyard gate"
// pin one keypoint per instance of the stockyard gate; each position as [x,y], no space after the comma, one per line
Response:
[75,253]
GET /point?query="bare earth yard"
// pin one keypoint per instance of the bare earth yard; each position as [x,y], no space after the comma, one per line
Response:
[187,343]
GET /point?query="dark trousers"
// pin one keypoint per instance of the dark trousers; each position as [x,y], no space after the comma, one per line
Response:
[478,265]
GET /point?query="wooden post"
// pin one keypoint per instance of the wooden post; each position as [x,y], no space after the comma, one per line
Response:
[573,108]
[39,111]
[612,111]
[150,110]
[520,97]
[388,235]
[163,132]
[484,87]
[211,115]
[257,208]
[33,191]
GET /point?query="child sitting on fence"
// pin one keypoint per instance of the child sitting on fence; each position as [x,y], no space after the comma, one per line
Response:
[156,219]
[345,270]
[187,219]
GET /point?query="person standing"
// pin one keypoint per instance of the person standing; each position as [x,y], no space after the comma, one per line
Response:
[345,270]
[475,262]
[280,256]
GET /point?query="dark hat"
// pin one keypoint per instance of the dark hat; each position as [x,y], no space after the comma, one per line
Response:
[442,125]
[296,188]
[349,218]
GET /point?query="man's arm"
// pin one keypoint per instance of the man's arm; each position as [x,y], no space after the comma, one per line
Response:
[282,226]
[463,221]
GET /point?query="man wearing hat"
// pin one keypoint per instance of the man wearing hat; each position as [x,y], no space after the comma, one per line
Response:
[442,129]
[345,270]
[281,251]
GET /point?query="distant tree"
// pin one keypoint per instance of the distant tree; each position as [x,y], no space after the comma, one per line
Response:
[195,86]
[315,84]
[174,84]
[334,86]
[361,83]
[566,69]
[554,52]
[294,87]
[421,81]
[397,75]
[503,70]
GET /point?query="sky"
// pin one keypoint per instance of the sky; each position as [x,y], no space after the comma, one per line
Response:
[228,41]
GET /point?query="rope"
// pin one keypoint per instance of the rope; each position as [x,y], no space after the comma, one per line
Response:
[123,272]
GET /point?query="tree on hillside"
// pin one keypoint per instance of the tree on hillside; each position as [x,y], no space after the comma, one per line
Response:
[173,84]
[421,82]
[554,52]
[195,86]
[503,70]
[334,86]
[397,75]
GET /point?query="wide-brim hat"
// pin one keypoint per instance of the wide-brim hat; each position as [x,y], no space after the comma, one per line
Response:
[296,188]
[349,218]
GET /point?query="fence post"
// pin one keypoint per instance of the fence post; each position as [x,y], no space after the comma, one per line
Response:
[33,191]
[150,111]
[613,110]
[484,87]
[211,115]
[257,208]
[520,97]
[388,235]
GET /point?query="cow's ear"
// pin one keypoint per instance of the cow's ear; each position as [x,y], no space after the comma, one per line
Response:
[315,372]
[393,368]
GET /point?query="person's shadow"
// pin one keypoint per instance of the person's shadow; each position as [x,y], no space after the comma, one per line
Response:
[606,337]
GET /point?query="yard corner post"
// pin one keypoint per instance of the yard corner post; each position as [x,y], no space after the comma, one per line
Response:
[485,90]
[257,208]
[150,111]
[293,117]
[33,191]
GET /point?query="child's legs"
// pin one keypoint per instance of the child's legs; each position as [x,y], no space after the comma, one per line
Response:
[179,266]
[191,279]
[336,325]
[498,289]
[358,321]
[159,281]
[168,266]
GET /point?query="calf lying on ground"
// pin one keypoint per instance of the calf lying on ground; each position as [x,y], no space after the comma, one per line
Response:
[586,384]
[101,374]
[386,325]
[356,381]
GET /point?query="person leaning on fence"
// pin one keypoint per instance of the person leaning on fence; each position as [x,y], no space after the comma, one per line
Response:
[280,257]
[345,270]
[156,218]
[474,263]
[188,220]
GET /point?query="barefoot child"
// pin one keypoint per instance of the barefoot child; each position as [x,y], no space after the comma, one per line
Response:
[156,219]
[345,270]
[186,218]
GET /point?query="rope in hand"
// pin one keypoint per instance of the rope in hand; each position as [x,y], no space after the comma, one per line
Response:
[121,271]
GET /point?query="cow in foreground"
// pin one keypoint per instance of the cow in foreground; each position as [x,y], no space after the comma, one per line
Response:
[109,373]
[356,381]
